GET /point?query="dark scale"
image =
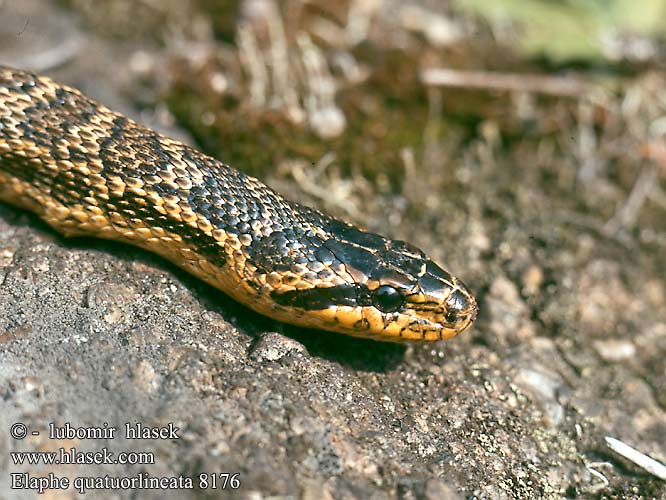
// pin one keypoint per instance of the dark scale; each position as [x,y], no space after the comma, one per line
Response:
[408,265]
[356,257]
[346,232]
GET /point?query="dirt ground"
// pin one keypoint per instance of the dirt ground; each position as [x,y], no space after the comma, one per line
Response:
[549,202]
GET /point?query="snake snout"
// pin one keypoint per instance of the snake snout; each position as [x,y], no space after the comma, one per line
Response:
[461,309]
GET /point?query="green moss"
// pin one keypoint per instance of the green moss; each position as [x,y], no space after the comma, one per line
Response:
[571,30]
[379,124]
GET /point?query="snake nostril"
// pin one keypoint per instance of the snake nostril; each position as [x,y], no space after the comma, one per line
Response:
[458,317]
[451,317]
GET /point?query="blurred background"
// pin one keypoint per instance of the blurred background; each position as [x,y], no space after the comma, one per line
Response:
[409,104]
[519,142]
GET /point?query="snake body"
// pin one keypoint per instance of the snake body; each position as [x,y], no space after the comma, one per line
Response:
[88,171]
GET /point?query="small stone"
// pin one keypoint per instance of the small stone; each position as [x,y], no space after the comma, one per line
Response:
[614,350]
[655,292]
[114,315]
[438,490]
[7,255]
[544,388]
[146,377]
[316,489]
[532,280]
[273,346]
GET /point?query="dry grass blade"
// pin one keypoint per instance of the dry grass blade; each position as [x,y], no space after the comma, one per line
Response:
[642,460]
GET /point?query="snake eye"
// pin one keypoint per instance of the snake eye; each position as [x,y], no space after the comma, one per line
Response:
[387,299]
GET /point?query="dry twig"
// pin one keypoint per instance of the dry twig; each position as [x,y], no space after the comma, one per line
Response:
[541,84]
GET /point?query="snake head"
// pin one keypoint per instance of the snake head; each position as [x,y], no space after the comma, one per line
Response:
[436,302]
[428,305]
[377,288]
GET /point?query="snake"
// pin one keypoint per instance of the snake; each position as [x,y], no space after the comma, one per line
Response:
[88,171]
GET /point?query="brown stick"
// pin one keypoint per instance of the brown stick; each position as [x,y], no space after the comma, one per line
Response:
[542,84]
